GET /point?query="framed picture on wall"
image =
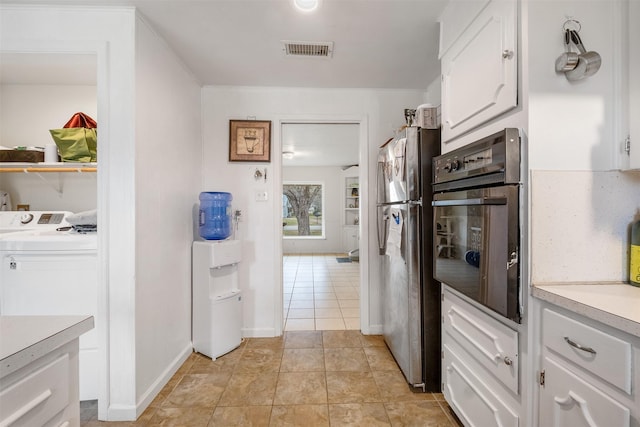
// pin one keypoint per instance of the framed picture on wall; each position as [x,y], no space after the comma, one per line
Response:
[249,141]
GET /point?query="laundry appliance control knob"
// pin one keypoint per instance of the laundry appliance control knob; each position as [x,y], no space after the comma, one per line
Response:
[26,218]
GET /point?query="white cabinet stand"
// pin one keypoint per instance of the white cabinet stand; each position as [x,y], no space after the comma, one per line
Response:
[588,375]
[480,366]
[217,300]
[39,380]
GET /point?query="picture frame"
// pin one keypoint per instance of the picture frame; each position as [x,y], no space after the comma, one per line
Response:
[250,141]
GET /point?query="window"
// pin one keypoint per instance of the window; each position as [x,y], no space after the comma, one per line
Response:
[302,210]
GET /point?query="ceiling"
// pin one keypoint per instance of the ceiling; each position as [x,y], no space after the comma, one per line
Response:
[321,144]
[377,43]
[382,44]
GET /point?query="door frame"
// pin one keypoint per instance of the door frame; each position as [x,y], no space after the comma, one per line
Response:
[363,158]
[99,49]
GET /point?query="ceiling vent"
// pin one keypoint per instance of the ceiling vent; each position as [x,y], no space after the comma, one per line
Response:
[311,49]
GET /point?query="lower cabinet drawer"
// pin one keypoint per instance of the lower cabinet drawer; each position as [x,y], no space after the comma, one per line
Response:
[491,343]
[566,400]
[38,397]
[474,402]
[601,354]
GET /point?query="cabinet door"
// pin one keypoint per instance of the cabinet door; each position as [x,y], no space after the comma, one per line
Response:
[473,400]
[567,400]
[479,71]
[634,84]
[491,343]
[350,238]
[599,353]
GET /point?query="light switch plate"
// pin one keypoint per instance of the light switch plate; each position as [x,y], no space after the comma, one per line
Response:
[262,196]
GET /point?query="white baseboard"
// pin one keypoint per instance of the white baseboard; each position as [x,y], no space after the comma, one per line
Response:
[121,413]
[258,332]
[131,413]
[374,330]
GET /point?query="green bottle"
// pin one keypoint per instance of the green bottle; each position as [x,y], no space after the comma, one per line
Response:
[634,256]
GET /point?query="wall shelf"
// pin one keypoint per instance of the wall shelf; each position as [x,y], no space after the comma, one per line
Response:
[47,167]
[39,168]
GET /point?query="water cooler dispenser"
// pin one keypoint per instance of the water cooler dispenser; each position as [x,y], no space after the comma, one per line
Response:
[217,301]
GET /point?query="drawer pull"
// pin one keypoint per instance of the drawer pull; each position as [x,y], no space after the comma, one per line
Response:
[508,361]
[579,347]
[26,408]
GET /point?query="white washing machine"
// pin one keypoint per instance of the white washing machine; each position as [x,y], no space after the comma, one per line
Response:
[48,268]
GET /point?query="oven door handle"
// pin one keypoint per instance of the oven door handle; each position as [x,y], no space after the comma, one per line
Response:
[471,202]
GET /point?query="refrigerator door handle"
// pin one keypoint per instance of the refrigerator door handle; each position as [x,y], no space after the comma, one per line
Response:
[471,202]
[380,183]
[382,232]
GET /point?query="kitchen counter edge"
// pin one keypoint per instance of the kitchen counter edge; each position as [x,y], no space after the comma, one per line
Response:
[614,304]
[27,338]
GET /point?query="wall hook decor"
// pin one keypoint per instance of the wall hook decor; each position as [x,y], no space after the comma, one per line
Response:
[571,24]
[260,174]
[576,65]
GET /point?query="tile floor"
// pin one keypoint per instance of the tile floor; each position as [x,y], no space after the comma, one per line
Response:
[320,293]
[304,378]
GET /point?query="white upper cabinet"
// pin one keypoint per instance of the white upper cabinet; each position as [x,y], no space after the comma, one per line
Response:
[456,17]
[479,66]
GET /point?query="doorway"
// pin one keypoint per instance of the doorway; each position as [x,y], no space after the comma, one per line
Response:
[321,279]
[41,90]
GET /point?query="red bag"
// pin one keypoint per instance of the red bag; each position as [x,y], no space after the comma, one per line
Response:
[81,120]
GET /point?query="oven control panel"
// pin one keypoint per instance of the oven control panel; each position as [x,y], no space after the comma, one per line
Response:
[463,162]
[477,160]
[495,158]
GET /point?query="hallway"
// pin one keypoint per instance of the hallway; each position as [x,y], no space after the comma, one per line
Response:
[320,293]
[313,378]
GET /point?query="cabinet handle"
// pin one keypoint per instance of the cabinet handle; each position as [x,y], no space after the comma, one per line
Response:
[508,361]
[507,54]
[578,346]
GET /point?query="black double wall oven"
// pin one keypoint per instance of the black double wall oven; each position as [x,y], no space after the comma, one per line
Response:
[476,222]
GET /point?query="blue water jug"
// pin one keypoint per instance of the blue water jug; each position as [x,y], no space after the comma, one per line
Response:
[215,215]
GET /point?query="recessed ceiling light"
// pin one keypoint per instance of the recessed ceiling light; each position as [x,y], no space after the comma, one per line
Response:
[306,5]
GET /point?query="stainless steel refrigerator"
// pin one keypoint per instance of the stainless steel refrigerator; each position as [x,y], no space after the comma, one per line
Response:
[410,295]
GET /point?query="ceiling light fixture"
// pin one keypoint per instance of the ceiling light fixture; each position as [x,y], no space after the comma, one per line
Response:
[306,5]
[287,155]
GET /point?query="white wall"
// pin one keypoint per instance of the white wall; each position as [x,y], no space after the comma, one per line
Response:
[27,112]
[331,178]
[434,92]
[260,272]
[167,174]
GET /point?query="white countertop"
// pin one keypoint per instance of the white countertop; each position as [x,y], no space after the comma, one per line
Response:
[614,304]
[27,338]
